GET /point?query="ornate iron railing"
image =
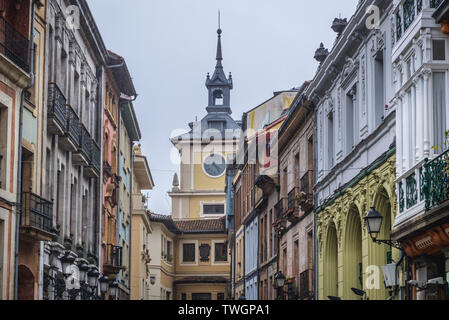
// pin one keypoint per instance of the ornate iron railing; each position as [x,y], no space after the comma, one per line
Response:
[292,203]
[418,6]
[73,124]
[14,45]
[113,256]
[37,212]
[409,13]
[435,3]
[280,208]
[306,184]
[411,191]
[401,197]
[95,155]
[85,141]
[57,104]
[436,181]
[410,10]
[398,26]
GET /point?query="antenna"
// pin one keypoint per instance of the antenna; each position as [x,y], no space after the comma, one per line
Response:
[219,19]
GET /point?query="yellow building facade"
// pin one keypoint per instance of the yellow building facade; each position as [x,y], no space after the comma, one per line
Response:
[141,229]
[194,257]
[347,256]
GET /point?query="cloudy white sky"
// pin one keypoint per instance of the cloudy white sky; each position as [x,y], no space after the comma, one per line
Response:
[170,45]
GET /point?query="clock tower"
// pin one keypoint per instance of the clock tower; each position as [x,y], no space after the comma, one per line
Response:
[205,150]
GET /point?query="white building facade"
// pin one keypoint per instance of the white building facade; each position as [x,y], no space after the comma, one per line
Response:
[72,143]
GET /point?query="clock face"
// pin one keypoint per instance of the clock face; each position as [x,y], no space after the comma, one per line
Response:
[214,165]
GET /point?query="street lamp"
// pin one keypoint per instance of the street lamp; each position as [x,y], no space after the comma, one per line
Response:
[67,260]
[280,279]
[104,284]
[280,282]
[83,268]
[373,221]
[113,288]
[92,276]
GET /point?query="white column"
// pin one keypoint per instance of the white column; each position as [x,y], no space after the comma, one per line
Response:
[399,136]
[405,131]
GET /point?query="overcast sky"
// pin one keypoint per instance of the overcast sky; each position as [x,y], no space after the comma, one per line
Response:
[170,45]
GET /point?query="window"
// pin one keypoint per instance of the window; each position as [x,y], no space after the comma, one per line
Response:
[183,296]
[439,110]
[213,209]
[296,259]
[169,251]
[188,252]
[439,50]
[379,88]
[220,296]
[350,120]
[221,254]
[330,140]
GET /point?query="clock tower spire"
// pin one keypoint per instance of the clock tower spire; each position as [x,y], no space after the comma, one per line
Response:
[219,86]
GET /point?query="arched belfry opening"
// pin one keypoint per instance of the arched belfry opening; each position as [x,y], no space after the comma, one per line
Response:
[218,97]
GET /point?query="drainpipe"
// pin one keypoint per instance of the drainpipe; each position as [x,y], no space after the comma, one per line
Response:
[19,155]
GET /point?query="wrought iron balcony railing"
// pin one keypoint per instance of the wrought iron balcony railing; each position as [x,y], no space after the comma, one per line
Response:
[280,208]
[292,202]
[85,142]
[113,256]
[37,213]
[95,155]
[14,45]
[436,181]
[410,10]
[73,124]
[57,110]
[306,184]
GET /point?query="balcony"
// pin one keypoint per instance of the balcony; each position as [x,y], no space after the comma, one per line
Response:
[305,196]
[71,136]
[57,110]
[436,181]
[292,212]
[83,155]
[280,223]
[93,169]
[112,263]
[306,285]
[406,14]
[37,217]
[14,45]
